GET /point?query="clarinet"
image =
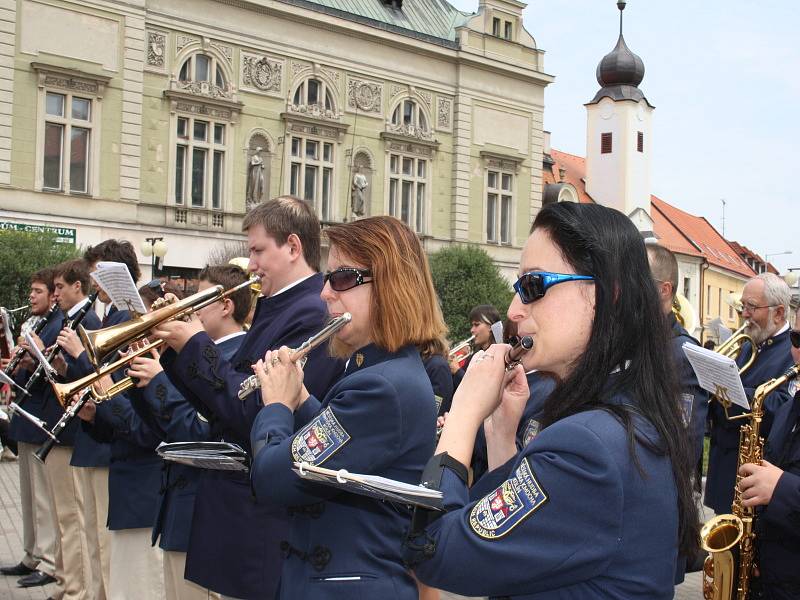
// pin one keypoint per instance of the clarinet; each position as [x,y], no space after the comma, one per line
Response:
[19,353]
[55,351]
[71,412]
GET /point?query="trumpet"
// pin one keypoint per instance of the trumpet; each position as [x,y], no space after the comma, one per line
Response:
[251,384]
[100,344]
[462,350]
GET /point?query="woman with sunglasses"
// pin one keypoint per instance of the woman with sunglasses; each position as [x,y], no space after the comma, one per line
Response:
[599,503]
[379,418]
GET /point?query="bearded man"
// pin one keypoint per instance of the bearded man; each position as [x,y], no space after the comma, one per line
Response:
[765,301]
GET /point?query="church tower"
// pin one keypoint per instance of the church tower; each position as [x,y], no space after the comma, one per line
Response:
[619,138]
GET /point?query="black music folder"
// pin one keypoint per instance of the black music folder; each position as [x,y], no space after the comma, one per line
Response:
[218,456]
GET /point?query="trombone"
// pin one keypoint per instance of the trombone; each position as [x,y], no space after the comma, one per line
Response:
[100,344]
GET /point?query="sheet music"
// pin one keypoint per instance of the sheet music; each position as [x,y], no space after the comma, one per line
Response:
[373,486]
[497,332]
[717,374]
[116,281]
[49,371]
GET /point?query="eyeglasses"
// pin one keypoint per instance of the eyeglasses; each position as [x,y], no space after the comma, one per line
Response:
[346,278]
[532,286]
[751,308]
[794,337]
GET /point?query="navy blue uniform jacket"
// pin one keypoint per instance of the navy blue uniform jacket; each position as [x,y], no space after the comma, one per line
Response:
[88,452]
[541,386]
[778,524]
[41,403]
[234,545]
[441,379]
[378,419]
[175,420]
[774,358]
[134,474]
[569,517]
[694,400]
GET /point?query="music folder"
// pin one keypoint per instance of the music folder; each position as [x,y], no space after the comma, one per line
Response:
[373,486]
[717,374]
[217,456]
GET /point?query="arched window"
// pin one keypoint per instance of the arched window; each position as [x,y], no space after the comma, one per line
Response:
[313,92]
[408,113]
[200,68]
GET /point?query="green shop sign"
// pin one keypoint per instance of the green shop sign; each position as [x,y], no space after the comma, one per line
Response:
[65,234]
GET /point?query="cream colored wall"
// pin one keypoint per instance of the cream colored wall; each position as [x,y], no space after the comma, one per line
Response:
[720,281]
[490,95]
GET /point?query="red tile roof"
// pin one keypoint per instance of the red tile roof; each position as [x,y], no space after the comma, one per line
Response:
[677,230]
[746,254]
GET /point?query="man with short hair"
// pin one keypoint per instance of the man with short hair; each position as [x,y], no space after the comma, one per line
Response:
[71,283]
[39,533]
[90,457]
[239,553]
[774,484]
[694,399]
[765,301]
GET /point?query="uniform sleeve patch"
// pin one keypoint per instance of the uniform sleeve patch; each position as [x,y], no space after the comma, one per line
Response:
[323,437]
[531,431]
[516,499]
[438,400]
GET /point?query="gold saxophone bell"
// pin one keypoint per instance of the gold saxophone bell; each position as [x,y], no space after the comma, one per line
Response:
[102,343]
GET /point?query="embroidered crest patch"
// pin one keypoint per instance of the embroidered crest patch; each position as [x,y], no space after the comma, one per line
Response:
[531,431]
[438,400]
[507,506]
[320,439]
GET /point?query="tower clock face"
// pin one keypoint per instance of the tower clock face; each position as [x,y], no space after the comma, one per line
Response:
[640,112]
[606,110]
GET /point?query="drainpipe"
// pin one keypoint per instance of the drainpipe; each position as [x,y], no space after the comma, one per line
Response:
[703,267]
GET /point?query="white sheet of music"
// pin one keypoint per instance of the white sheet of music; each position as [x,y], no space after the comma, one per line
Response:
[717,373]
[116,281]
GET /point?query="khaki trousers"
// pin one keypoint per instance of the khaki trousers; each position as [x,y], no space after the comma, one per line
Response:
[38,522]
[178,588]
[93,487]
[136,566]
[71,555]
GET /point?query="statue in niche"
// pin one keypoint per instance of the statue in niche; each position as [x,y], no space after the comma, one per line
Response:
[255,179]
[358,192]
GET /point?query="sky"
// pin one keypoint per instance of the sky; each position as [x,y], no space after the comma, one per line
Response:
[723,76]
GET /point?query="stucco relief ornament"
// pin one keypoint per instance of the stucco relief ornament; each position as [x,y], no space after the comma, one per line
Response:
[155,49]
[444,112]
[364,96]
[262,73]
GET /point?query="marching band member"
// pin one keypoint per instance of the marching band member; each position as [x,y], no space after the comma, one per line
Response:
[434,358]
[91,458]
[240,538]
[481,319]
[189,496]
[378,419]
[765,301]
[600,502]
[775,485]
[39,533]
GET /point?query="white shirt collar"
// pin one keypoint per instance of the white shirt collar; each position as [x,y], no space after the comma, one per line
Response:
[74,310]
[291,285]
[781,330]
[230,336]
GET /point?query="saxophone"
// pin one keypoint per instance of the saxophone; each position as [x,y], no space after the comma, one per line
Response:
[720,534]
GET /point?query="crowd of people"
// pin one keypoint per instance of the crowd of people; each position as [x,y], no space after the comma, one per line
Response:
[573,472]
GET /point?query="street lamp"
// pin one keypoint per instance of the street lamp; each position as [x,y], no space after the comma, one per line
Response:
[155,248]
[766,256]
[791,277]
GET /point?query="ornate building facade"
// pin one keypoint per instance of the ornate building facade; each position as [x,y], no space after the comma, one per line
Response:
[170,118]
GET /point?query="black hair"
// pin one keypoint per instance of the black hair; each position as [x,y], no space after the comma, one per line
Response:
[484,313]
[629,328]
[116,251]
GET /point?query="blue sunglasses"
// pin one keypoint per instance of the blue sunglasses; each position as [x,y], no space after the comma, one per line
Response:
[532,286]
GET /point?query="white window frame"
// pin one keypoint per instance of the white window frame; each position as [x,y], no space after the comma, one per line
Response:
[211,147]
[325,93]
[396,180]
[297,165]
[69,84]
[494,180]
[419,119]
[214,67]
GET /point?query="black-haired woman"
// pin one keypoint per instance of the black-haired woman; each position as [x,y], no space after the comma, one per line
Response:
[599,504]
